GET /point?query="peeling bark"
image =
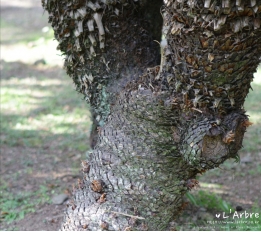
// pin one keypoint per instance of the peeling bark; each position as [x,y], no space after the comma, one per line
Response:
[164,117]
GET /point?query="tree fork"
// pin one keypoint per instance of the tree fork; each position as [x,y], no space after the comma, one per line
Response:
[159,124]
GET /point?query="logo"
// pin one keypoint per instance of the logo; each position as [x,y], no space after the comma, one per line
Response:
[238,215]
[232,219]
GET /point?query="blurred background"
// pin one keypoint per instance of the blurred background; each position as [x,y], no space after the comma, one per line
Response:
[45,128]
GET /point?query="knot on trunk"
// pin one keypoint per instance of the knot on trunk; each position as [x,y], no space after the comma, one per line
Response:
[208,142]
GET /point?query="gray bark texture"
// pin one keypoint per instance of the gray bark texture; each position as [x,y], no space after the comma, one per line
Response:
[164,111]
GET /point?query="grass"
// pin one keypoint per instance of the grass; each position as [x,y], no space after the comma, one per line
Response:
[16,206]
[223,216]
[39,108]
[208,200]
[13,33]
[36,111]
[256,170]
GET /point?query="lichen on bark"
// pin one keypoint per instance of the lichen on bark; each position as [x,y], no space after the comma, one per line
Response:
[162,118]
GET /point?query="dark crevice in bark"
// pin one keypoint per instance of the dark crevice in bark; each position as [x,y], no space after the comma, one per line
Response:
[159,125]
[144,28]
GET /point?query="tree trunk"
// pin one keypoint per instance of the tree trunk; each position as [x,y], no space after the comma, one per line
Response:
[163,113]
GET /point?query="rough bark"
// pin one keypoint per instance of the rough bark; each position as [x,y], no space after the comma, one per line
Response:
[159,125]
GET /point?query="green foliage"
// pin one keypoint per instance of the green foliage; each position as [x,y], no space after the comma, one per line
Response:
[208,201]
[15,206]
[237,158]
[215,204]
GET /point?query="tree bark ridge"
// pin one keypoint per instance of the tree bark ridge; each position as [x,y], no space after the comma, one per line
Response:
[137,172]
[161,125]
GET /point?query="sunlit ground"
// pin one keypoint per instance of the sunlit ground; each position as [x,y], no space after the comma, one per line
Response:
[45,126]
[45,123]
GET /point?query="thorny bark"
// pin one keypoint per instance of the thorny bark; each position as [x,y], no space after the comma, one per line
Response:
[159,125]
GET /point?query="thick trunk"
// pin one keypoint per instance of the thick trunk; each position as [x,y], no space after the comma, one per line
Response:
[158,127]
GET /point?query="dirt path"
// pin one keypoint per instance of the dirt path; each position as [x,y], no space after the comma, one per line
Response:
[35,164]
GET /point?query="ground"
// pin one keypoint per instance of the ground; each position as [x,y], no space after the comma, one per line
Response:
[45,128]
